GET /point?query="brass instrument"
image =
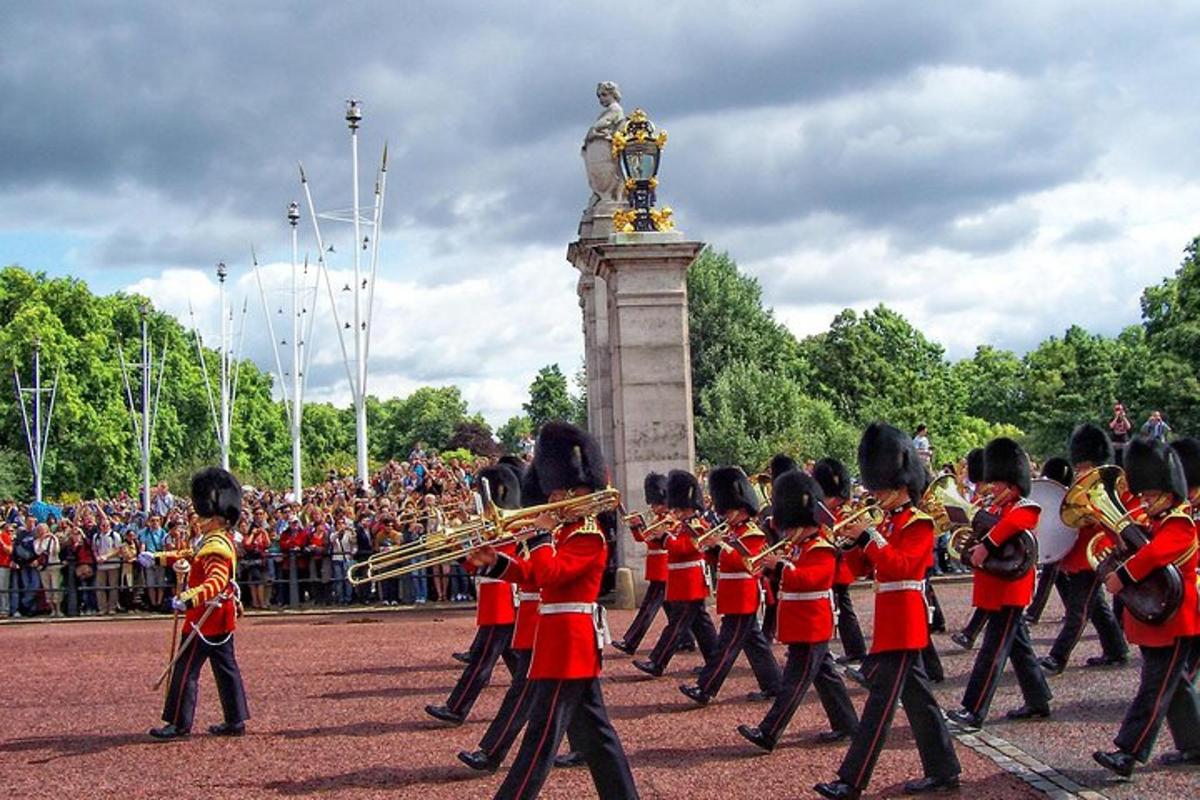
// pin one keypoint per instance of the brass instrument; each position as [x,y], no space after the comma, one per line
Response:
[852,512]
[967,523]
[1093,500]
[761,481]
[640,520]
[495,527]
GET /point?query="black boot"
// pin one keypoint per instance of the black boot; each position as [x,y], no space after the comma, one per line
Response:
[619,644]
[829,737]
[930,785]
[1029,712]
[756,737]
[478,760]
[465,658]
[571,758]
[1051,665]
[1106,661]
[649,667]
[965,719]
[168,732]
[694,694]
[1117,761]
[837,790]
[963,641]
[1179,758]
[444,714]
[228,729]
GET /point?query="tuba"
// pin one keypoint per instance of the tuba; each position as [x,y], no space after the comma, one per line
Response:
[1093,500]
[967,523]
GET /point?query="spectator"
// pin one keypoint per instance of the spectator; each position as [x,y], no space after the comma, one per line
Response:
[106,545]
[921,443]
[342,549]
[161,500]
[1120,425]
[49,562]
[152,539]
[1156,427]
[25,584]
[79,558]
[419,579]
[6,548]
[317,548]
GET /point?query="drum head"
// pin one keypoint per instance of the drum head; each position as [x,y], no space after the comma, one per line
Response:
[1055,538]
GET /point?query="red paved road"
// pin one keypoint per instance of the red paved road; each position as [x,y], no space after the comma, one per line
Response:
[337,711]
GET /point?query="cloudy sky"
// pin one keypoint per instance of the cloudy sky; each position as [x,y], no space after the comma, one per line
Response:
[995,171]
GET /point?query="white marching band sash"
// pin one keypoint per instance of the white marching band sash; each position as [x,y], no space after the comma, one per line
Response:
[907,586]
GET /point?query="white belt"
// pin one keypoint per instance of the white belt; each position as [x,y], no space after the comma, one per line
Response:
[733,576]
[529,597]
[481,579]
[900,586]
[825,595]
[686,565]
[567,608]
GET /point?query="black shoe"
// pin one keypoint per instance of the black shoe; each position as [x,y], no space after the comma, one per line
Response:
[1106,661]
[937,628]
[1116,761]
[760,696]
[695,694]
[464,658]
[478,760]
[687,648]
[963,641]
[930,785]
[829,737]
[445,714]
[168,732]
[837,790]
[619,644]
[697,670]
[965,719]
[573,758]
[756,737]
[649,667]
[1051,665]
[1179,758]
[842,661]
[855,674]
[938,678]
[1029,712]
[226,729]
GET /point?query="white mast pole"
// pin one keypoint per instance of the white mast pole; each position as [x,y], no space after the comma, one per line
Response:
[146,364]
[293,216]
[222,271]
[353,119]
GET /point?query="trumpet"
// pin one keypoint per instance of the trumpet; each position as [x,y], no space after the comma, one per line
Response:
[495,527]
[637,520]
[831,533]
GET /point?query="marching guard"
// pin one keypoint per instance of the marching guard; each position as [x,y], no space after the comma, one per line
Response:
[566,563]
[209,605]
[687,588]
[1188,450]
[495,615]
[1003,600]
[1155,476]
[834,480]
[805,616]
[898,551]
[739,592]
[1089,448]
[974,486]
[780,463]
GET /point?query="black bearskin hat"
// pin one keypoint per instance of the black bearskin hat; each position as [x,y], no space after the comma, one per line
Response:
[975,465]
[888,460]
[216,493]
[683,490]
[531,488]
[795,497]
[833,477]
[1058,469]
[1090,443]
[516,462]
[655,488]
[1188,451]
[1152,464]
[730,488]
[1005,461]
[780,464]
[567,457]
[504,485]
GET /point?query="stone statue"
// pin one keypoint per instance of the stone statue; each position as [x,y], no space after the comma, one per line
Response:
[603,172]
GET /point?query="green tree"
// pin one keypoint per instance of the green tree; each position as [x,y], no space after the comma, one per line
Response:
[429,415]
[513,431]
[548,397]
[1171,317]
[993,382]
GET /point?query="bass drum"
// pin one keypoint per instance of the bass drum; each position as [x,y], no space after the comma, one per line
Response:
[1055,538]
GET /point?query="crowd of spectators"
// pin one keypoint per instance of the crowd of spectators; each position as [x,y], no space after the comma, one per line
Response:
[81,559]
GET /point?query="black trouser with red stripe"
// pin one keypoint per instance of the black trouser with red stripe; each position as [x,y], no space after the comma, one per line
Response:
[491,642]
[682,617]
[652,601]
[1164,693]
[741,633]
[849,631]
[809,664]
[1049,577]
[180,705]
[1005,638]
[513,713]
[898,675]
[1086,598]
[576,708]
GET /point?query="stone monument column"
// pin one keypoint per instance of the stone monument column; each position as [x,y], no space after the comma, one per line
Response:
[593,301]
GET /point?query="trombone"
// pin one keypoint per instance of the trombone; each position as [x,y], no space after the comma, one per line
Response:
[855,512]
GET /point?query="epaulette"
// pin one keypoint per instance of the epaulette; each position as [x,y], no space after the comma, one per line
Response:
[751,530]
[215,544]
[820,541]
[589,526]
[1183,510]
[917,515]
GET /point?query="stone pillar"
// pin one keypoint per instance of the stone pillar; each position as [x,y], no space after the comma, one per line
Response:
[650,360]
[593,302]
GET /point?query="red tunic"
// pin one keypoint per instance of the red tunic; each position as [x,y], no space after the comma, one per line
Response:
[568,574]
[1075,561]
[901,616]
[991,592]
[495,596]
[527,612]
[685,566]
[737,589]
[1172,536]
[656,552]
[212,567]
[805,603]
[843,575]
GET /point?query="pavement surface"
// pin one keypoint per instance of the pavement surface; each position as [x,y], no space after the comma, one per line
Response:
[337,711]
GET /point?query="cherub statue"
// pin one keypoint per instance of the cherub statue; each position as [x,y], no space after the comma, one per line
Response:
[603,172]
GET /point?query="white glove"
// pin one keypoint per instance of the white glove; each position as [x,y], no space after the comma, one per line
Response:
[178,605]
[145,559]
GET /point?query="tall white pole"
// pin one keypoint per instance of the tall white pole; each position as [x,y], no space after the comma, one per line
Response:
[222,271]
[145,412]
[353,118]
[293,215]
[37,419]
